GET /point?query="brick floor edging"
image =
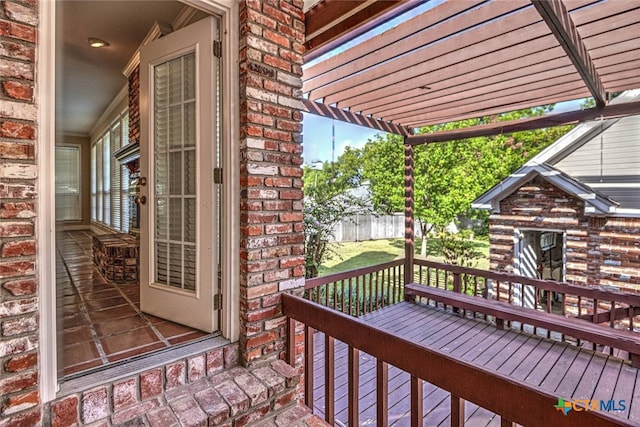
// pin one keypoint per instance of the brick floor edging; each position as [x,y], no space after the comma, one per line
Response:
[175,396]
[103,400]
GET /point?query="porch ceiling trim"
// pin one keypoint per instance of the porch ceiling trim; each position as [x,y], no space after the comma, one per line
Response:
[356,119]
[608,112]
[557,18]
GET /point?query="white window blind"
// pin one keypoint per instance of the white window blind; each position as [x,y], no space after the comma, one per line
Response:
[116,178]
[174,172]
[106,179]
[124,176]
[99,181]
[94,183]
[110,179]
[68,207]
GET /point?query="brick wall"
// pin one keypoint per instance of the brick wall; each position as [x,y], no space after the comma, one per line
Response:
[600,251]
[19,396]
[271,225]
[134,106]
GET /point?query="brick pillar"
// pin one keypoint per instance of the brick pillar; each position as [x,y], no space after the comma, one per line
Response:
[271,222]
[19,396]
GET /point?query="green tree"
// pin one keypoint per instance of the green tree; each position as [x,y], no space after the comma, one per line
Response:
[328,202]
[449,176]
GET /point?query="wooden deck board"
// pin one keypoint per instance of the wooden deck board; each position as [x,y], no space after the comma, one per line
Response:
[608,380]
[624,387]
[528,365]
[558,368]
[516,349]
[570,379]
[591,377]
[550,362]
[516,359]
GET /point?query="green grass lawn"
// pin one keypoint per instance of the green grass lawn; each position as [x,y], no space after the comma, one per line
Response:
[352,255]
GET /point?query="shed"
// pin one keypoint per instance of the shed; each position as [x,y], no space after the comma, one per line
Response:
[572,213]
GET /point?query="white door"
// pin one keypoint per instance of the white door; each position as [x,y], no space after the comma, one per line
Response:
[177,113]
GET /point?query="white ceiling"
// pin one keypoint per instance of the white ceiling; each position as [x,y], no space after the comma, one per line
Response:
[88,79]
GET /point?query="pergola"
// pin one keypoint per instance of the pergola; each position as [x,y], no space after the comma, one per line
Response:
[459,59]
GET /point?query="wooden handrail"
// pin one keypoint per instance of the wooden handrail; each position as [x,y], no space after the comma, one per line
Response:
[343,275]
[547,285]
[359,291]
[463,380]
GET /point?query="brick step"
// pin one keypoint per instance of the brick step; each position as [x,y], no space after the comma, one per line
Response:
[296,416]
[264,396]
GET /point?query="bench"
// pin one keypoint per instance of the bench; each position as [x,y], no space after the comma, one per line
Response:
[621,339]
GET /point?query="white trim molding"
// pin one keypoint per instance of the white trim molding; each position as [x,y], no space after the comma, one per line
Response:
[45,98]
[228,11]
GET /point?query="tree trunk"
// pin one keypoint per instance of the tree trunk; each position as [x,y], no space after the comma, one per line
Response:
[423,245]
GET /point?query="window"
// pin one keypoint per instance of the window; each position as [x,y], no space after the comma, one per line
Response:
[68,207]
[94,183]
[110,179]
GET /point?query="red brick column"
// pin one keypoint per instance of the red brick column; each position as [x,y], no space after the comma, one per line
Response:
[19,396]
[134,106]
[271,223]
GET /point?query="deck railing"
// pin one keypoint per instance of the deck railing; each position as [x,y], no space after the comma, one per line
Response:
[464,381]
[599,305]
[361,291]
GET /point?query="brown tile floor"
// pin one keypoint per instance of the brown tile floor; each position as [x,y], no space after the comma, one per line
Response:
[102,322]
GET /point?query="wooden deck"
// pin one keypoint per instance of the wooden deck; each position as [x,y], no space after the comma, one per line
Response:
[559,368]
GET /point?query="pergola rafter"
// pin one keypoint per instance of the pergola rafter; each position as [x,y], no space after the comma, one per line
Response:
[356,119]
[452,60]
[558,20]
[498,128]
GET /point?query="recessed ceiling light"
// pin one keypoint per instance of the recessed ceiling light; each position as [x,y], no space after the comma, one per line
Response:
[95,42]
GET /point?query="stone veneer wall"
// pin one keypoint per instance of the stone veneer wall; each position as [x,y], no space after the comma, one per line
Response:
[271,222]
[19,396]
[600,251]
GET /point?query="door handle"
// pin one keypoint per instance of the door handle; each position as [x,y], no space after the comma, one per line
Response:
[142,181]
[141,200]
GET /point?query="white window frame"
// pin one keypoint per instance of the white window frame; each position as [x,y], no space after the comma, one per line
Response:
[46,98]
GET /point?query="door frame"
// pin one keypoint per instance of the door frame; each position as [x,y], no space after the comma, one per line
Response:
[517,232]
[230,159]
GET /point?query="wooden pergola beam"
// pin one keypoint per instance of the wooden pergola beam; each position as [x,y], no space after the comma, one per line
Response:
[557,18]
[331,23]
[498,128]
[355,119]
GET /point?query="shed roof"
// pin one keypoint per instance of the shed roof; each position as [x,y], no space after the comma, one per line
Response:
[610,196]
[596,204]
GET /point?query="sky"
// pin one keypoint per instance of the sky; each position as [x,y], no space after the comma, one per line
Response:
[316,134]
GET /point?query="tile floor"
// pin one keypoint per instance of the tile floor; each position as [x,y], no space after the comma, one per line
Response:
[101,321]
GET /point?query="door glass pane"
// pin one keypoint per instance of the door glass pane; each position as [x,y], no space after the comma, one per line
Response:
[174,166]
